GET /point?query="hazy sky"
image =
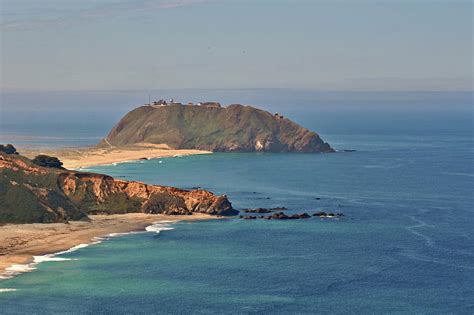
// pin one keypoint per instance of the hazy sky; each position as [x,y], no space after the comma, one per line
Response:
[154,44]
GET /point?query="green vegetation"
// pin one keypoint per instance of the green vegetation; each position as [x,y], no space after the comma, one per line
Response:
[27,197]
[164,203]
[48,161]
[31,193]
[116,204]
[232,128]
[8,149]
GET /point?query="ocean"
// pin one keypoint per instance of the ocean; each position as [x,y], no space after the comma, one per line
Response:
[405,245]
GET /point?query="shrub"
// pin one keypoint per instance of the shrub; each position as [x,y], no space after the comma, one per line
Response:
[48,161]
[8,149]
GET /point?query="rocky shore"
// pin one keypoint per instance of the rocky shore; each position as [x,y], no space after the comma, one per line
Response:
[283,216]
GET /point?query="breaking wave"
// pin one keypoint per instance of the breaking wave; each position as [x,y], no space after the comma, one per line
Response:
[160,226]
[17,269]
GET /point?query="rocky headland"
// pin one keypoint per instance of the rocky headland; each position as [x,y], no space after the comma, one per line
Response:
[41,191]
[211,127]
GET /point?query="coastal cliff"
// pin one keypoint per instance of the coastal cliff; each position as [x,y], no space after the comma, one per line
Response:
[32,193]
[214,128]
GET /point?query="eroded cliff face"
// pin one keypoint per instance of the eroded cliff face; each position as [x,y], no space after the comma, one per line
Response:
[223,129]
[31,193]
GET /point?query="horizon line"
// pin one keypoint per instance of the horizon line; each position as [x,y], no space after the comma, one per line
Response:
[3,90]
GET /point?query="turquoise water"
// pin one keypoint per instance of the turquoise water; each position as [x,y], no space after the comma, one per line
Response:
[406,244]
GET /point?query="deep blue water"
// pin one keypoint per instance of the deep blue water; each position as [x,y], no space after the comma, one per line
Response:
[406,244]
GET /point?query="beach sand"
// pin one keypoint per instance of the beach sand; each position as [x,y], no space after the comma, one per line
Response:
[75,158]
[20,242]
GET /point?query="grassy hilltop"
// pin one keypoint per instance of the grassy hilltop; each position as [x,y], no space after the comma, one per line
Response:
[214,128]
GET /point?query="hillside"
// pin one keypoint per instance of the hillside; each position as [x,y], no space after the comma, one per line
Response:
[32,193]
[214,128]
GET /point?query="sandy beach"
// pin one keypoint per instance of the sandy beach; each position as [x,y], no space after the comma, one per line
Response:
[75,158]
[20,242]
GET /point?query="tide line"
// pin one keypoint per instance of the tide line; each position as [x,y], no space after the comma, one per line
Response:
[17,269]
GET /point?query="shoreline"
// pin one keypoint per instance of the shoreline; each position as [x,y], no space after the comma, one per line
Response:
[25,245]
[77,158]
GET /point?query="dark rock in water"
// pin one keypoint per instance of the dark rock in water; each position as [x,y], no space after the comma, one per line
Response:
[348,150]
[279,216]
[48,161]
[317,198]
[283,216]
[340,214]
[8,149]
[300,216]
[264,210]
[278,209]
[248,217]
[258,210]
[320,214]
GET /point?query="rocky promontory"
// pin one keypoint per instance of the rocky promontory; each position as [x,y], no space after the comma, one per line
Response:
[211,127]
[48,193]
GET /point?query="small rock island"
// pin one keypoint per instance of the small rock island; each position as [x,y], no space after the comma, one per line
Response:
[212,127]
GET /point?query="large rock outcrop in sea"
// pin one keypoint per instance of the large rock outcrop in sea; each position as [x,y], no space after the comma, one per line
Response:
[31,193]
[214,128]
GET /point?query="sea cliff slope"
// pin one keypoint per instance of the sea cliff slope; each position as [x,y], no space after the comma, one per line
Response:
[30,193]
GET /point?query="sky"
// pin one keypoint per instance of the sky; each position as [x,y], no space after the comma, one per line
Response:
[351,45]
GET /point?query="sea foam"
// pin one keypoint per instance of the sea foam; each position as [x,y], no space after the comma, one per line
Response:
[7,290]
[159,226]
[17,269]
